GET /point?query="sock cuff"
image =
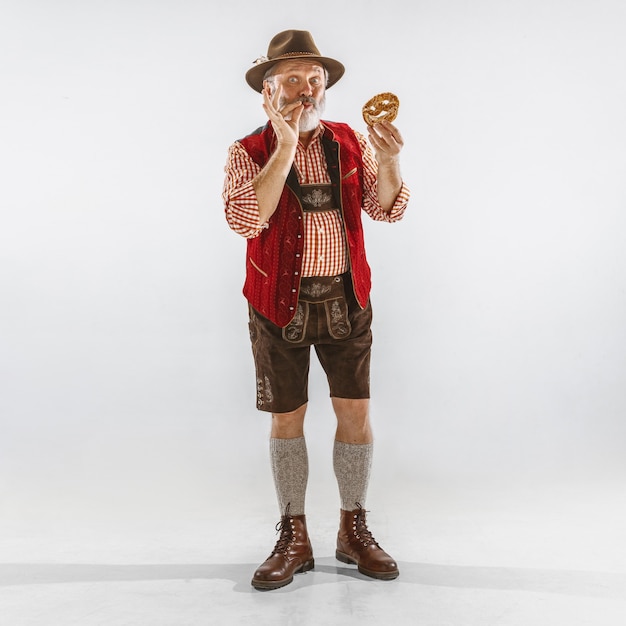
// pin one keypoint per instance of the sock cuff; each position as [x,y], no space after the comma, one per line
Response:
[275,441]
[353,449]
[281,446]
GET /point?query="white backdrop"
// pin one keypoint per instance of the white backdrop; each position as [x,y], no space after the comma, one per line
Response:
[500,300]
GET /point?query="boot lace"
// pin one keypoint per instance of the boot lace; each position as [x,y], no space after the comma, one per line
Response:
[359,526]
[287,536]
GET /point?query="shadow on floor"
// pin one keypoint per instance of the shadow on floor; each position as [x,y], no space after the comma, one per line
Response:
[327,570]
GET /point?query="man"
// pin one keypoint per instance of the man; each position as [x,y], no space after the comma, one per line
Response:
[295,189]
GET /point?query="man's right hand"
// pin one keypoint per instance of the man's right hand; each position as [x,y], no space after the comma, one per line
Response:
[286,130]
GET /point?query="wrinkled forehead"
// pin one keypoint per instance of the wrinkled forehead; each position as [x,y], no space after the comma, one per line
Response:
[298,65]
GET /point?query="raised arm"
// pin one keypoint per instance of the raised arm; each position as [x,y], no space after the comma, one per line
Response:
[269,182]
[387,143]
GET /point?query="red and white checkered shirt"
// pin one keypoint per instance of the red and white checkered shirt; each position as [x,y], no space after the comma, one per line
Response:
[324,239]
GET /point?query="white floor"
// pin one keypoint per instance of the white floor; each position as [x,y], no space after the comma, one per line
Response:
[513,555]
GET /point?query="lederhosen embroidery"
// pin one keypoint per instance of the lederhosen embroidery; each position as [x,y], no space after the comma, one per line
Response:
[326,290]
[317,197]
[337,318]
[294,331]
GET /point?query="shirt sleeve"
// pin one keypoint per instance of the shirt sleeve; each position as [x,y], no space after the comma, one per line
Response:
[240,201]
[370,188]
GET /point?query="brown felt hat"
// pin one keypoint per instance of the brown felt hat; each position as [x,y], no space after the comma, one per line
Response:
[292,44]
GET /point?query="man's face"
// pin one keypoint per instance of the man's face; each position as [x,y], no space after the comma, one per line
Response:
[302,81]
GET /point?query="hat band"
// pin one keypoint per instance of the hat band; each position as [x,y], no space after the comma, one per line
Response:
[291,54]
[262,60]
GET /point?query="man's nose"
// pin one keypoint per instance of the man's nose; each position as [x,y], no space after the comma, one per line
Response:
[306,90]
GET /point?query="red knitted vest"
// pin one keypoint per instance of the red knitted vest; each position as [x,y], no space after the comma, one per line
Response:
[274,257]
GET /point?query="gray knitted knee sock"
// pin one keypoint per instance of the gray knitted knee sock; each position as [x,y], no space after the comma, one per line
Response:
[352,463]
[290,468]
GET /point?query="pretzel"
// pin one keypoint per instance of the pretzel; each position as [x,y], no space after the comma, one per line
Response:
[383,106]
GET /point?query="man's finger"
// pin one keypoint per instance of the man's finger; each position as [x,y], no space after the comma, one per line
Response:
[288,108]
[276,96]
[297,113]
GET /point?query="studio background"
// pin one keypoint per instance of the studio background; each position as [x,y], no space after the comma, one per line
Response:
[127,386]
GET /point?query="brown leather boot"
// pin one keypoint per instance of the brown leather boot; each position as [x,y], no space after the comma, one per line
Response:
[355,544]
[292,554]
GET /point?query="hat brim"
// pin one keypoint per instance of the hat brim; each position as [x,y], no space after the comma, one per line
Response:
[254,76]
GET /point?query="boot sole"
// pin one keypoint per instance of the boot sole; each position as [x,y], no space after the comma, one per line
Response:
[268,585]
[344,558]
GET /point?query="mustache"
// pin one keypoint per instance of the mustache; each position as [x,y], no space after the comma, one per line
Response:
[304,99]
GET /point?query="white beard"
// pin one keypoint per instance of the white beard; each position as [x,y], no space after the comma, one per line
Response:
[310,118]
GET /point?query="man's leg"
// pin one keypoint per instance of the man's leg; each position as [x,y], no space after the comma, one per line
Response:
[352,460]
[352,453]
[281,358]
[293,552]
[289,458]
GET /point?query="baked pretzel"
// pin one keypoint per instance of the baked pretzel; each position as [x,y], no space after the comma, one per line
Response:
[383,106]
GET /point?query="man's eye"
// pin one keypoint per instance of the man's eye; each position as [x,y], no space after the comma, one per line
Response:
[293,80]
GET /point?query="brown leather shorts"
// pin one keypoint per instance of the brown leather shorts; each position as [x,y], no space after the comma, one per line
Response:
[329,318]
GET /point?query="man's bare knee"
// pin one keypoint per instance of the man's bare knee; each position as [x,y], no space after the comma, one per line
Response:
[353,423]
[289,425]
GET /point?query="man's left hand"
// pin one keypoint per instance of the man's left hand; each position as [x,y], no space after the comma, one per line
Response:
[386,141]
